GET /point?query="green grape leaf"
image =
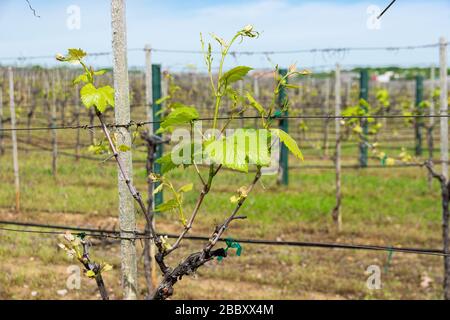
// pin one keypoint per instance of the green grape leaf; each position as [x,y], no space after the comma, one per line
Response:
[98,149]
[85,77]
[235,74]
[255,104]
[124,148]
[81,78]
[288,142]
[158,189]
[224,151]
[100,72]
[88,95]
[181,115]
[166,160]
[73,55]
[162,100]
[167,206]
[106,98]
[239,150]
[166,163]
[291,86]
[186,188]
[106,267]
[101,98]
[221,41]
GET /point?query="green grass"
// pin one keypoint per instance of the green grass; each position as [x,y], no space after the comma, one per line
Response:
[380,206]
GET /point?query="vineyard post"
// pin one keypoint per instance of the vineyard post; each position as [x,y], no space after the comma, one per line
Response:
[326,108]
[364,94]
[127,217]
[348,92]
[31,107]
[430,140]
[91,115]
[77,121]
[301,88]
[148,87]
[418,123]
[64,98]
[283,177]
[14,138]
[337,218]
[256,93]
[149,246]
[45,109]
[149,251]
[156,94]
[444,106]
[53,125]
[444,158]
[1,122]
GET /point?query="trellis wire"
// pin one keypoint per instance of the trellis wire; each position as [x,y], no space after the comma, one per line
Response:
[264,52]
[143,123]
[105,233]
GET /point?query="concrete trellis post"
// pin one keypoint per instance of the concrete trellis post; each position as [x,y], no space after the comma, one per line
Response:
[53,125]
[326,110]
[430,140]
[419,121]
[14,138]
[337,93]
[348,92]
[148,86]
[149,247]
[127,217]
[444,159]
[444,106]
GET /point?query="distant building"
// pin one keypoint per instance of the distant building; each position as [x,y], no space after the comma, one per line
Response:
[383,78]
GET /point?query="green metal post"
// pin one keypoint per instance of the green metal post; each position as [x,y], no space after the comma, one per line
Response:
[284,125]
[156,90]
[364,95]
[419,121]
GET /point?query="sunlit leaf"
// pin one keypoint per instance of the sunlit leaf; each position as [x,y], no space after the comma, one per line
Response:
[255,104]
[167,206]
[179,116]
[124,148]
[240,149]
[73,55]
[158,189]
[288,142]
[101,98]
[235,74]
[186,188]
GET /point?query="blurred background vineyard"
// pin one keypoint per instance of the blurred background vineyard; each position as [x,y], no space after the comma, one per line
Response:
[382,205]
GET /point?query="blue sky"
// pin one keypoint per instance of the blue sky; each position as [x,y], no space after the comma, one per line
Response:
[176,24]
